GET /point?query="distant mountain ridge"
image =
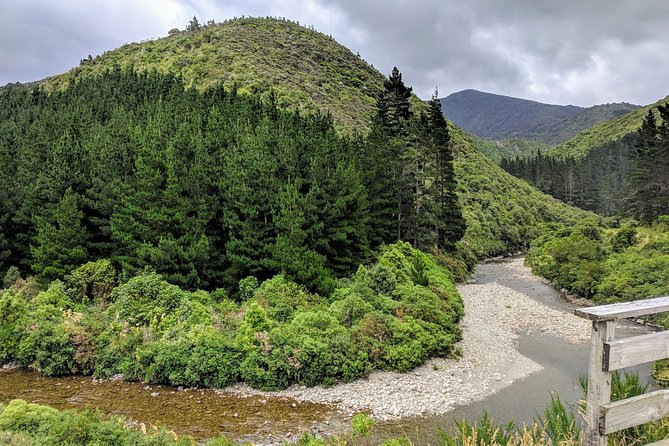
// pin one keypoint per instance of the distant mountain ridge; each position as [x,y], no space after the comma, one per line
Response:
[499,117]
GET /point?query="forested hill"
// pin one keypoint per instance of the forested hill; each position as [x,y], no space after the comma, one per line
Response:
[592,169]
[603,133]
[307,70]
[502,213]
[500,117]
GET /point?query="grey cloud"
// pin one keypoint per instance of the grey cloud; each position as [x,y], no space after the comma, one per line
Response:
[538,49]
[567,51]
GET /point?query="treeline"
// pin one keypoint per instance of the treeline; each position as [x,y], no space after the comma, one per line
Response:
[596,182]
[628,177]
[210,187]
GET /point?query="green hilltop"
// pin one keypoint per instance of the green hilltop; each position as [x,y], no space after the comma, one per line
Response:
[604,133]
[308,71]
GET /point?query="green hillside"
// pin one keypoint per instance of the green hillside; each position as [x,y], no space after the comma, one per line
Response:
[503,213]
[604,133]
[509,148]
[309,70]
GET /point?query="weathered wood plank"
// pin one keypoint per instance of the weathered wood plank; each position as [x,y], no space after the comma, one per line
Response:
[599,382]
[630,412]
[635,350]
[624,309]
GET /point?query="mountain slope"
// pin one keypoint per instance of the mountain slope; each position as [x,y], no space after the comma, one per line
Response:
[309,70]
[499,117]
[604,133]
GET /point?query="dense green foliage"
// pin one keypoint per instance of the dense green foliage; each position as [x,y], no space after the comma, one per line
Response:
[410,180]
[605,264]
[307,70]
[27,424]
[392,315]
[260,46]
[649,168]
[208,188]
[499,117]
[503,214]
[604,133]
[597,182]
[620,176]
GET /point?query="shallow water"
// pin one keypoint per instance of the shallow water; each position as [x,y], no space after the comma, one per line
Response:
[199,413]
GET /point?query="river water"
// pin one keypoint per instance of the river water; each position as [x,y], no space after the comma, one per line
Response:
[208,413]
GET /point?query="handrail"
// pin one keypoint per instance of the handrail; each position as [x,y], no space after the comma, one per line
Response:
[608,354]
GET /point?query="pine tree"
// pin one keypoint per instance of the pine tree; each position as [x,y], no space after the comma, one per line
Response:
[60,243]
[644,186]
[449,223]
[392,157]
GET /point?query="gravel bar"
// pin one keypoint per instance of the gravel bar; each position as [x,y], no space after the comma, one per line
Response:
[494,316]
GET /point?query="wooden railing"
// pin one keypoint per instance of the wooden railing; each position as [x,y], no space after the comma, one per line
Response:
[607,354]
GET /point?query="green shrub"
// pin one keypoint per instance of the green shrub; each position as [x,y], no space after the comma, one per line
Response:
[48,349]
[361,424]
[13,318]
[624,238]
[282,298]
[92,281]
[247,287]
[393,314]
[146,298]
[11,276]
[43,425]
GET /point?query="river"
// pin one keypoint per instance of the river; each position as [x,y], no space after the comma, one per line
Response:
[259,418]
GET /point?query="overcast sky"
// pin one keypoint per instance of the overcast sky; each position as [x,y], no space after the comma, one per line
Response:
[581,52]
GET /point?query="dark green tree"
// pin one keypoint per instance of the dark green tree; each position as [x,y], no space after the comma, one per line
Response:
[649,177]
[60,244]
[449,225]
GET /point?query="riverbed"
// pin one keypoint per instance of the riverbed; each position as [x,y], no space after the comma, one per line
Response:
[521,342]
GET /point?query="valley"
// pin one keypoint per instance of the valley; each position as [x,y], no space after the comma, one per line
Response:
[244,232]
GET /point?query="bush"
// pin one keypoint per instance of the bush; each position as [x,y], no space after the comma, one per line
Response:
[43,425]
[146,298]
[11,276]
[390,315]
[247,287]
[13,318]
[282,298]
[624,238]
[92,281]
[48,349]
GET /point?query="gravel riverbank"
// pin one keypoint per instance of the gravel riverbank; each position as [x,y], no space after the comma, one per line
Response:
[494,316]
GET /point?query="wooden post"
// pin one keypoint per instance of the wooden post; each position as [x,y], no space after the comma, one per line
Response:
[599,382]
[606,354]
